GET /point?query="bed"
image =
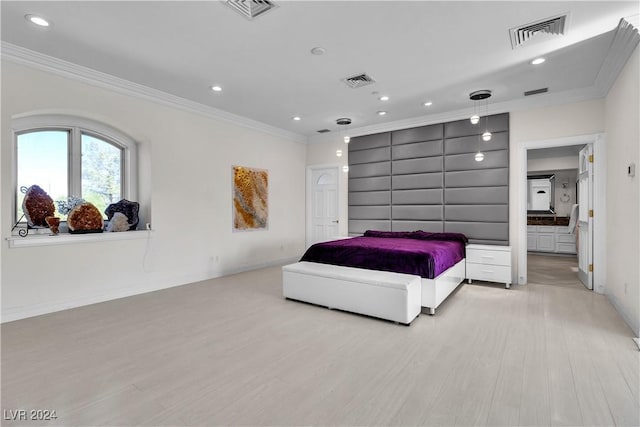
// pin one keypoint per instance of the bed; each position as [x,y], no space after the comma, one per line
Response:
[438,259]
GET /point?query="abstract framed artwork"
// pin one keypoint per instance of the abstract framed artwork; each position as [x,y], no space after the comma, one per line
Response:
[250,199]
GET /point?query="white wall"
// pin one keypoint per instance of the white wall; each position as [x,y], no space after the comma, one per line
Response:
[185,188]
[623,193]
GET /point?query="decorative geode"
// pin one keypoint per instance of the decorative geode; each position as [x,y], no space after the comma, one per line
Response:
[118,223]
[128,209]
[85,217]
[37,206]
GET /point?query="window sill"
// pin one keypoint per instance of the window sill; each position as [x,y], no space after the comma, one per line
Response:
[70,239]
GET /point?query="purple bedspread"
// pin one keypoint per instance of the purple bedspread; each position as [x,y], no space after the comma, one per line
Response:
[424,254]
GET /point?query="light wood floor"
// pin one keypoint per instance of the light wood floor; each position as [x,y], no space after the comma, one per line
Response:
[232,351]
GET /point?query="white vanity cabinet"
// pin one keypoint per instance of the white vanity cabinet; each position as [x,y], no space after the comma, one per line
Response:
[489,263]
[550,238]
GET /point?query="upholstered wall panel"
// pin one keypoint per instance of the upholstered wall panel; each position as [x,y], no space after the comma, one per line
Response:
[417,197]
[489,231]
[370,169]
[360,226]
[369,156]
[478,213]
[372,198]
[478,178]
[370,184]
[424,180]
[423,133]
[415,150]
[427,178]
[473,144]
[425,212]
[477,196]
[430,226]
[369,212]
[370,141]
[410,166]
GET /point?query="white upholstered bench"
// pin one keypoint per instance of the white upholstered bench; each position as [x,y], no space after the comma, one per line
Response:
[383,294]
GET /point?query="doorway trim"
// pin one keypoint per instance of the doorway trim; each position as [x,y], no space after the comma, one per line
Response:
[599,202]
[309,199]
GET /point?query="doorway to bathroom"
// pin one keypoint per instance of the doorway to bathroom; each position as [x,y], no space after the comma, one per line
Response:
[557,205]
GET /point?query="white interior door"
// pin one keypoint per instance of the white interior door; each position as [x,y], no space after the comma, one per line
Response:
[585,219]
[323,205]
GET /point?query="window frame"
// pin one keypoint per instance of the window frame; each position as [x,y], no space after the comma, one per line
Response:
[77,126]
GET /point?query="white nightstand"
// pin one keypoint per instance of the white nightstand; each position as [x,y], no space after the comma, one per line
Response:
[489,263]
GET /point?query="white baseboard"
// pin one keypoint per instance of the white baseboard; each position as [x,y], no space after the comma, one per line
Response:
[633,323]
[22,312]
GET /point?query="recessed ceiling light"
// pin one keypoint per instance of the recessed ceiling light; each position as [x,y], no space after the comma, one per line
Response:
[384,98]
[382,113]
[538,61]
[216,88]
[37,20]
[428,104]
[296,118]
[318,50]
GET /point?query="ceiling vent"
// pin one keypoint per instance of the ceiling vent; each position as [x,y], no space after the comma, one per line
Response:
[359,80]
[323,131]
[552,26]
[536,91]
[251,9]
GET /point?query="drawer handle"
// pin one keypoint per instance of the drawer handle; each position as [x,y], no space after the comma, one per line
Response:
[488,271]
[486,256]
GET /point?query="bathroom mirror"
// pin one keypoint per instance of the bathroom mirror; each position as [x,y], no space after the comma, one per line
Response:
[540,194]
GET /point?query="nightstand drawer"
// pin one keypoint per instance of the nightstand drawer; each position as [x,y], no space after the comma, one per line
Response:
[491,257]
[489,273]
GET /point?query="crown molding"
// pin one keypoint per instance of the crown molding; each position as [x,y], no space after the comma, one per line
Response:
[624,42]
[33,59]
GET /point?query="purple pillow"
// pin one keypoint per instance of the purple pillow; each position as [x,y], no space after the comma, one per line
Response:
[389,234]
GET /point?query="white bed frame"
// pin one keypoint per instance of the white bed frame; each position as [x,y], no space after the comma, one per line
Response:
[309,287]
[434,291]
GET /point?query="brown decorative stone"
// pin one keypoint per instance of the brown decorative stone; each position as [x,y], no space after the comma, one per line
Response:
[85,217]
[37,206]
[54,223]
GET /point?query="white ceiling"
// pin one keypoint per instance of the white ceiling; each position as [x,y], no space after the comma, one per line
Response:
[415,50]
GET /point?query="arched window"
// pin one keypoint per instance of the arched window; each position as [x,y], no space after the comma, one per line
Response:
[71,156]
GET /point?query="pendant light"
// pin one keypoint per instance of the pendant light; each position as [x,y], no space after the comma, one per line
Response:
[345,121]
[476,96]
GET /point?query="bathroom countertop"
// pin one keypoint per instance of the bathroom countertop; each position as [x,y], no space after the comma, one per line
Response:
[547,220]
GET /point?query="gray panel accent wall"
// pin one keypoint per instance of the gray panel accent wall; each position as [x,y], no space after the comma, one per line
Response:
[426,178]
